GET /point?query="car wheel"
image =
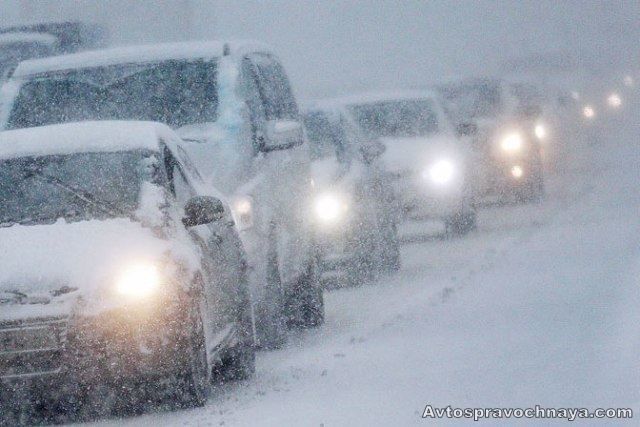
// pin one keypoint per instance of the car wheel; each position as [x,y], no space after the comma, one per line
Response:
[305,306]
[238,364]
[461,223]
[390,261]
[195,379]
[271,326]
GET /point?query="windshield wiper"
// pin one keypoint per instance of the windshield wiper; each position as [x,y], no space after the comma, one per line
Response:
[83,195]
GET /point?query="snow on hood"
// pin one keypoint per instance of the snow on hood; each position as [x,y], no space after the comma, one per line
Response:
[415,153]
[41,259]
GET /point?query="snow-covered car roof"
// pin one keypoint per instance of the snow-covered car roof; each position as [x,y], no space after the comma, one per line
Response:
[23,37]
[380,96]
[138,54]
[85,137]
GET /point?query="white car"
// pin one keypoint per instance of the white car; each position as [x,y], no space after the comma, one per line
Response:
[433,168]
[233,102]
[114,274]
[355,208]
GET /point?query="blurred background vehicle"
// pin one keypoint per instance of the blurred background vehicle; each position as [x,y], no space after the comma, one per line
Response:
[508,137]
[233,102]
[22,42]
[355,209]
[433,168]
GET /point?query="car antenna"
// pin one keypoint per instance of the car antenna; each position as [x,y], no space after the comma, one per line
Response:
[226,50]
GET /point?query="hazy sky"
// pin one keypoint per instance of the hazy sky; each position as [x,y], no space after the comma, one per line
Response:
[331,47]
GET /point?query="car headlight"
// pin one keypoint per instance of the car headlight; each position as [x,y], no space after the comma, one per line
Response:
[540,131]
[440,172]
[588,112]
[614,100]
[512,142]
[517,171]
[330,207]
[138,280]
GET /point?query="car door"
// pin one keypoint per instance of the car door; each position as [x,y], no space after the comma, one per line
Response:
[217,270]
[287,175]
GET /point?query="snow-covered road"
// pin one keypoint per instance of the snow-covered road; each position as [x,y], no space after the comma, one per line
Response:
[539,306]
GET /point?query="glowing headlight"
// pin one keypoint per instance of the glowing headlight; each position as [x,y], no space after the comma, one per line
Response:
[140,280]
[440,172]
[540,130]
[588,112]
[242,205]
[614,100]
[512,142]
[517,171]
[330,207]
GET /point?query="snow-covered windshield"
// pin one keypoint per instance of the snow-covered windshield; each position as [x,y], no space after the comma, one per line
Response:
[326,138]
[177,93]
[37,190]
[471,101]
[402,118]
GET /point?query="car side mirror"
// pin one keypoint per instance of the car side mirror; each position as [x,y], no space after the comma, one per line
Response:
[372,151]
[282,135]
[467,129]
[202,210]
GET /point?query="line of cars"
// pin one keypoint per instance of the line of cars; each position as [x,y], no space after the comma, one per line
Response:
[166,209]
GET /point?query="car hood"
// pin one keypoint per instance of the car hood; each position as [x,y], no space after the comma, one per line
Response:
[413,154]
[40,263]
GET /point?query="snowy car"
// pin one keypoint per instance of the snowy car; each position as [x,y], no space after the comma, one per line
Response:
[355,208]
[113,273]
[508,137]
[233,103]
[433,168]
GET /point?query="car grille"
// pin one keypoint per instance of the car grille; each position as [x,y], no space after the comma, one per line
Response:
[32,348]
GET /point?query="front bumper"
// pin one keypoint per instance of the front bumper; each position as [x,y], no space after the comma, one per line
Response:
[66,352]
[420,200]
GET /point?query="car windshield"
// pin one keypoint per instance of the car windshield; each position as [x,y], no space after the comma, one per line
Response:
[472,101]
[37,190]
[326,138]
[402,118]
[177,93]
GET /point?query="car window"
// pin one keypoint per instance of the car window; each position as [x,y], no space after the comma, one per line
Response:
[275,89]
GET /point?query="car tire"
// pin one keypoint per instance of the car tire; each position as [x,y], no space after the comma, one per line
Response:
[305,304]
[239,363]
[390,261]
[271,324]
[195,379]
[461,223]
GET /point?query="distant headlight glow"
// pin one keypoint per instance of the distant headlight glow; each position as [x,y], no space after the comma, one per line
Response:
[614,100]
[138,280]
[330,207]
[512,142]
[441,172]
[517,172]
[588,112]
[540,130]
